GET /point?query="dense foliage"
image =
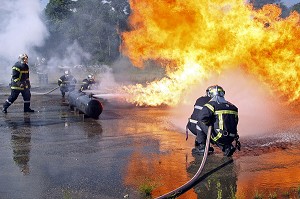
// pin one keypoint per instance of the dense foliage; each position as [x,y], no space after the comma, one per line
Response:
[296,7]
[94,24]
[260,3]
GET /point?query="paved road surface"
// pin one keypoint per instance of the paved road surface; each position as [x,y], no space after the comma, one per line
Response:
[57,153]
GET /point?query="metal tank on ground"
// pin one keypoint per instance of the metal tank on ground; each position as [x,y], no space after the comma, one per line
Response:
[87,104]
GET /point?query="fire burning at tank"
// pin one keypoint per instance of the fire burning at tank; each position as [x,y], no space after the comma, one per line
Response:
[193,40]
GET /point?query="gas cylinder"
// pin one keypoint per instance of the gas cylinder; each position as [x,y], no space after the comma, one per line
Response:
[88,105]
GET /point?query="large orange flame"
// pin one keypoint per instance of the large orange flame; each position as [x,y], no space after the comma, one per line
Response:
[201,37]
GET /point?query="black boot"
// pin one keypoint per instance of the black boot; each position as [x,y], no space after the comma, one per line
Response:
[196,143]
[229,150]
[27,109]
[199,150]
[5,106]
[4,110]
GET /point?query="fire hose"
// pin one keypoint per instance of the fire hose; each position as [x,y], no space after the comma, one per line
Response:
[54,90]
[35,93]
[180,190]
[50,90]
[46,92]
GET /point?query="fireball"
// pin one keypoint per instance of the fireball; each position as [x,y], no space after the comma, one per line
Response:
[198,39]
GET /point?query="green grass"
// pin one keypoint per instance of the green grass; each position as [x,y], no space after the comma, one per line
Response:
[286,194]
[258,195]
[66,194]
[272,195]
[292,193]
[146,187]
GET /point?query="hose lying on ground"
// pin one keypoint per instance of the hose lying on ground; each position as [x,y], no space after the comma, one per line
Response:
[180,190]
[45,92]
[36,93]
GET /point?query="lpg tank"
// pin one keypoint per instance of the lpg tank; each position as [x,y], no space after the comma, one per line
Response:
[86,104]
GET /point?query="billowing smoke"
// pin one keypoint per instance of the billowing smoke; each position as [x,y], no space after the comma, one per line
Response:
[71,59]
[21,30]
[73,55]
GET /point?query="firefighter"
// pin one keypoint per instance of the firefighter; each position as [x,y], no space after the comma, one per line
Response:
[20,83]
[223,117]
[87,82]
[67,83]
[42,71]
[192,121]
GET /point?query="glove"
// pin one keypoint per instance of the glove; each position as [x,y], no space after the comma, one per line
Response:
[21,84]
[237,142]
[28,84]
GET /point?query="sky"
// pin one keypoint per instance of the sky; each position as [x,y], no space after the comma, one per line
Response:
[290,3]
[44,2]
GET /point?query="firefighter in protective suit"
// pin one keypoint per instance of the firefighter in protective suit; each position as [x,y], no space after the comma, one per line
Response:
[223,117]
[192,121]
[87,83]
[66,83]
[20,84]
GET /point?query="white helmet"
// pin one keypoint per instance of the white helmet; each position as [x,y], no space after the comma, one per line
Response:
[215,90]
[67,72]
[91,77]
[23,58]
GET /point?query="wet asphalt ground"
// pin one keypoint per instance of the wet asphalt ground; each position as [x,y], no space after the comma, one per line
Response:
[56,152]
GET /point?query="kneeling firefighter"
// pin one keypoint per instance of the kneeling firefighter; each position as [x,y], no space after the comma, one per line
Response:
[87,82]
[66,83]
[223,117]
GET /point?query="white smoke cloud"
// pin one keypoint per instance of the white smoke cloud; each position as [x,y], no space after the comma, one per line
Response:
[72,56]
[21,29]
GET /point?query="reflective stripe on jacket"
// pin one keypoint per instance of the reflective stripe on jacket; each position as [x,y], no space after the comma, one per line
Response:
[223,117]
[192,121]
[68,81]
[20,76]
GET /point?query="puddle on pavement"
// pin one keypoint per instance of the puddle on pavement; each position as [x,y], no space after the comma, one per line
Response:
[273,174]
[276,172]
[245,176]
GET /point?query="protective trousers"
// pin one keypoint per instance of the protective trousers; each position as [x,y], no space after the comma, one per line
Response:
[197,131]
[14,95]
[201,130]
